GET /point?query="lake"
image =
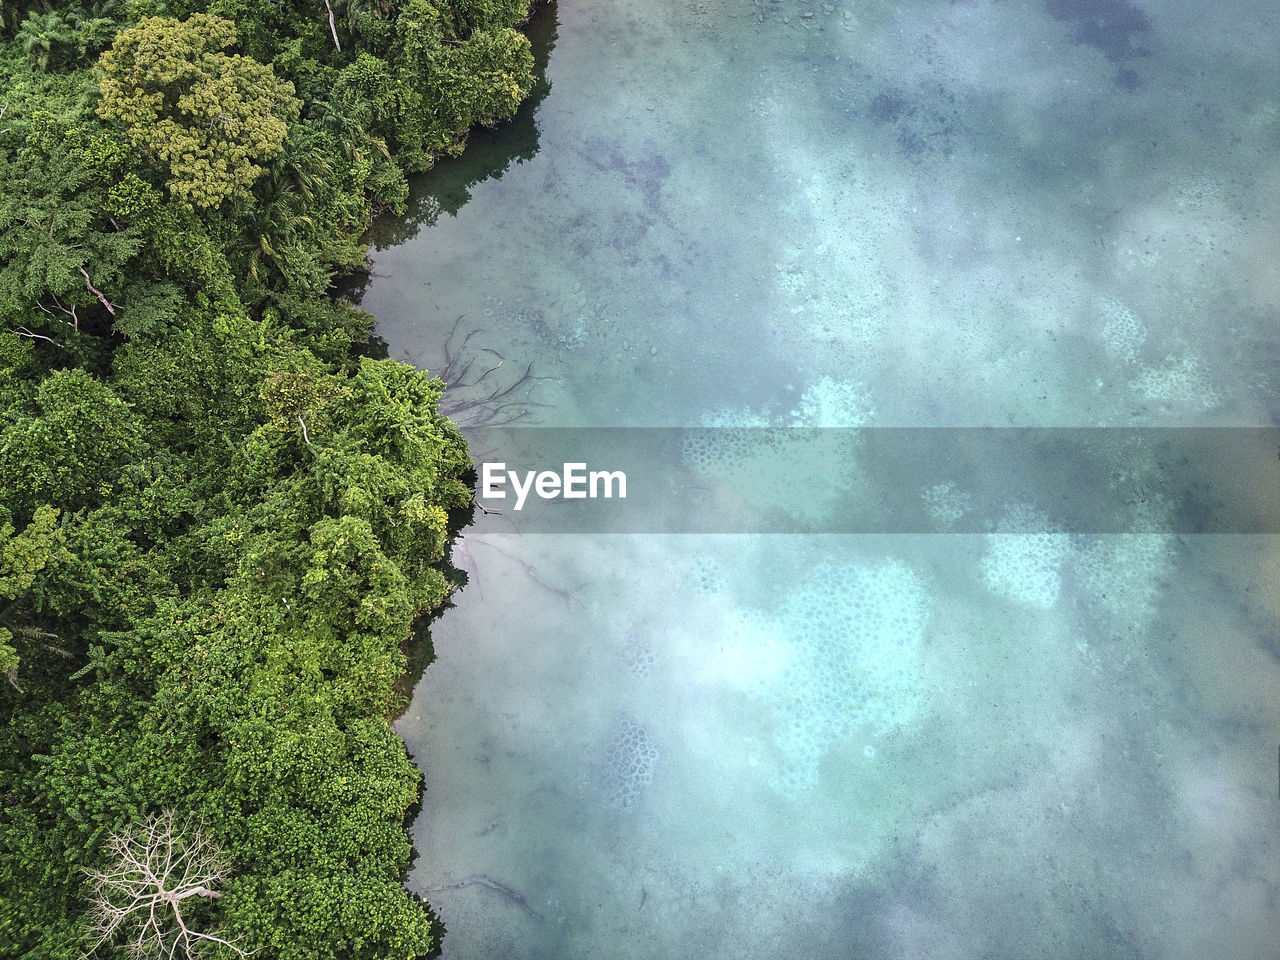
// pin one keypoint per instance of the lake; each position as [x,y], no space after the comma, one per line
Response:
[782,235]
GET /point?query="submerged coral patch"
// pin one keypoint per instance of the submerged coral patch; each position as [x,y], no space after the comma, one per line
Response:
[1123,334]
[1178,382]
[768,459]
[707,574]
[629,761]
[853,634]
[638,656]
[946,504]
[1024,566]
[833,403]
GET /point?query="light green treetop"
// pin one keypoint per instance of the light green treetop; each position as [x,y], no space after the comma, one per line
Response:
[208,117]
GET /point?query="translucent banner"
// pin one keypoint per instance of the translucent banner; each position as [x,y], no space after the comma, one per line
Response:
[880,480]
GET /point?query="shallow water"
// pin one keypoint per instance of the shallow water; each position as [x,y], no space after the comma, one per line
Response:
[1042,743]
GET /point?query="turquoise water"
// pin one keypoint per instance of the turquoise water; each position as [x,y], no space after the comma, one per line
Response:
[945,214]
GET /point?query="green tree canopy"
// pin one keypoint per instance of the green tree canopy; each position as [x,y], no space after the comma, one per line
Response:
[209,118]
[22,557]
[218,523]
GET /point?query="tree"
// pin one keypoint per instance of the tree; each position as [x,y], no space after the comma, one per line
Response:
[155,869]
[65,258]
[207,117]
[447,83]
[483,79]
[44,37]
[69,448]
[217,525]
[22,557]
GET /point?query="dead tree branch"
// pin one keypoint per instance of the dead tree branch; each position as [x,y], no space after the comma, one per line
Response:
[97,293]
[154,869]
[475,502]
[25,332]
[70,312]
[570,597]
[497,887]
[333,29]
[500,402]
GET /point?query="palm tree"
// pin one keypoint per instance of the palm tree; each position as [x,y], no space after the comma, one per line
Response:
[44,36]
[278,227]
[304,167]
[96,26]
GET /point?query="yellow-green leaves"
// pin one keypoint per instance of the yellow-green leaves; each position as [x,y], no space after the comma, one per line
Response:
[295,398]
[23,555]
[207,117]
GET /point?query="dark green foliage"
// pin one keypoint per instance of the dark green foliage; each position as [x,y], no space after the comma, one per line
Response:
[449,80]
[59,239]
[482,79]
[23,556]
[475,15]
[70,447]
[218,527]
[59,38]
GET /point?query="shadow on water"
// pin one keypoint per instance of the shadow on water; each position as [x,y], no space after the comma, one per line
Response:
[1112,27]
[490,152]
[446,187]
[419,650]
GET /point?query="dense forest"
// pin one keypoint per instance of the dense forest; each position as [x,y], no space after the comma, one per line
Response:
[219,519]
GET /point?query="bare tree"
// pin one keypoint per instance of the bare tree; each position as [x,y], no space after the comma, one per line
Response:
[500,402]
[139,899]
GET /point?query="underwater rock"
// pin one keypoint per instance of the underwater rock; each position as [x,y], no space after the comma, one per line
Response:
[924,122]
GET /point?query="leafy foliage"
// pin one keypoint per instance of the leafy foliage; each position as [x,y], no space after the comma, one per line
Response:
[218,525]
[207,116]
[22,557]
[449,81]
